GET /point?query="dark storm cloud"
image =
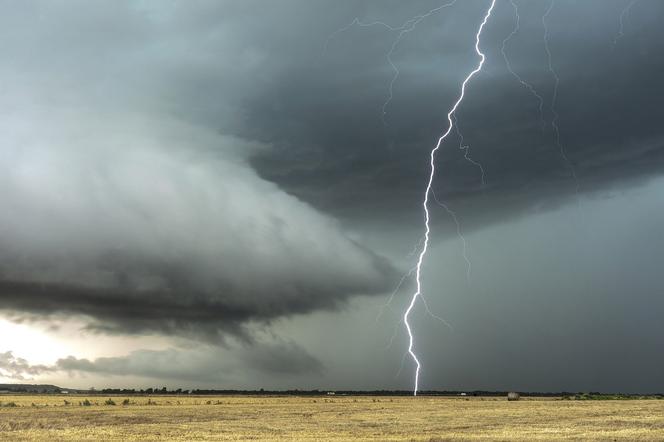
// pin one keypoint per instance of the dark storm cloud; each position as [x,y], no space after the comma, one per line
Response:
[200,364]
[118,208]
[559,302]
[267,72]
[139,139]
[342,159]
[154,236]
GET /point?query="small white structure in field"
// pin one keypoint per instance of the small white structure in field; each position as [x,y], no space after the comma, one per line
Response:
[513,396]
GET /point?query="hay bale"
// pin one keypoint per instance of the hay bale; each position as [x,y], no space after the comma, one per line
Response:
[513,396]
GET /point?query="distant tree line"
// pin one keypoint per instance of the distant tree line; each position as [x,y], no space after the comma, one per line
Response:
[52,389]
[296,392]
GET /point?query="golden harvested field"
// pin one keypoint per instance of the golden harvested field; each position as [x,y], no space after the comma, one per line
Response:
[337,418]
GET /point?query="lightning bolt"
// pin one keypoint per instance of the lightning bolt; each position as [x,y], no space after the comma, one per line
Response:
[408,26]
[388,304]
[525,84]
[425,204]
[552,108]
[404,29]
[466,155]
[621,21]
[464,244]
[554,98]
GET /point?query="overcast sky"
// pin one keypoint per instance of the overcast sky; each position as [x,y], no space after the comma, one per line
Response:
[227,194]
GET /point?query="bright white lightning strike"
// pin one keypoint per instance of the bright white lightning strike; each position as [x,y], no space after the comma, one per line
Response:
[425,203]
[408,26]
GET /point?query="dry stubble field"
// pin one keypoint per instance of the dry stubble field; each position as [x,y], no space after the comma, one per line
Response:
[338,418]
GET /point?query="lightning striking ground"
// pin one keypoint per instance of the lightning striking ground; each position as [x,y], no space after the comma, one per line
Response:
[408,26]
[427,192]
[401,31]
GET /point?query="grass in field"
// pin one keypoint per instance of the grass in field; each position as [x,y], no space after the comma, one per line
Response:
[67,417]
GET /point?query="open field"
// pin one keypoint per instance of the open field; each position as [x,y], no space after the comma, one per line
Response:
[324,418]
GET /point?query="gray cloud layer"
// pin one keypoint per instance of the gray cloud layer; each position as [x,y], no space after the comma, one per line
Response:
[196,366]
[140,231]
[261,72]
[609,103]
[121,204]
[13,367]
